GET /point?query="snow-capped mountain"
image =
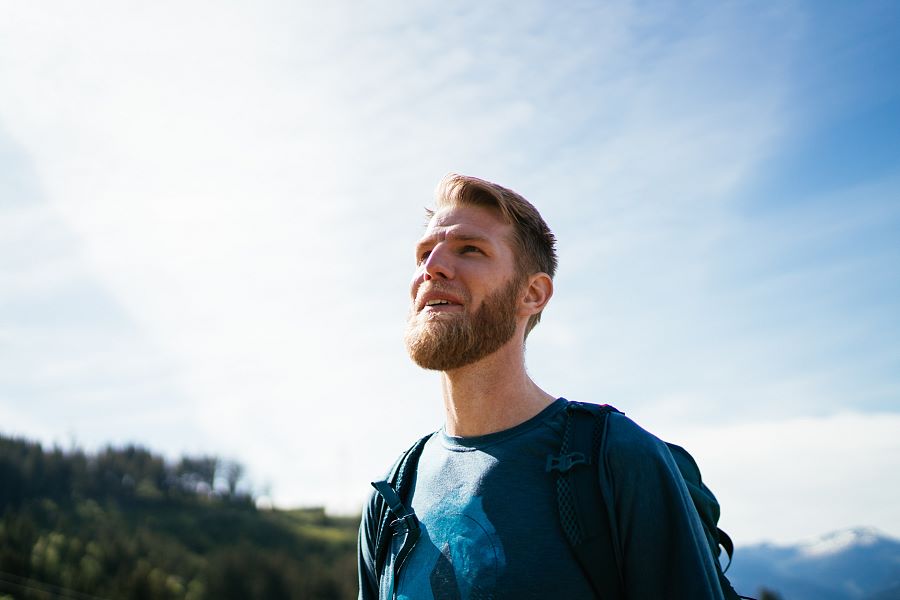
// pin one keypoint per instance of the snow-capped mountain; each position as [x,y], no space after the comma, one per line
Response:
[840,541]
[855,564]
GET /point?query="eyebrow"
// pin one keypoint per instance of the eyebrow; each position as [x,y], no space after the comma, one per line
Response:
[468,237]
[454,237]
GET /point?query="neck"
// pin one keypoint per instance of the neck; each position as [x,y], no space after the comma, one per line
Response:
[493,394]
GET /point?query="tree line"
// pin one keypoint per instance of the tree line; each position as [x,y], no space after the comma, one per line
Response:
[126,523]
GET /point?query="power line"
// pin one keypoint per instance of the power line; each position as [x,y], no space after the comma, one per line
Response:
[53,591]
[15,587]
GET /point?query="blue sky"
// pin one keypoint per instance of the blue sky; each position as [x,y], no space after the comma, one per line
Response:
[207,214]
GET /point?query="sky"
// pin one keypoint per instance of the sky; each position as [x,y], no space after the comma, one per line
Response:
[208,212]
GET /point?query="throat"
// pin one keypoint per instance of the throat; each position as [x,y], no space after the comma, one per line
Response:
[477,403]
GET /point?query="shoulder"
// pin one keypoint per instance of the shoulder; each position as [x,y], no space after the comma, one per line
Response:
[374,510]
[630,450]
[403,466]
[661,541]
[642,478]
[623,434]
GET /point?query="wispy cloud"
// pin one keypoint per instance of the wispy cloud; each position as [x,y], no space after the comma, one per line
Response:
[234,192]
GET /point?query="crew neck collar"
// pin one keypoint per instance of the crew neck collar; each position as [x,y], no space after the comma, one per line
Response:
[478,442]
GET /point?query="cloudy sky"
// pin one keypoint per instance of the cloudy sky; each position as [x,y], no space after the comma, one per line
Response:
[207,213]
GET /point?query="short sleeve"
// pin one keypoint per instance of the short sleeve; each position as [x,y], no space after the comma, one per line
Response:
[659,538]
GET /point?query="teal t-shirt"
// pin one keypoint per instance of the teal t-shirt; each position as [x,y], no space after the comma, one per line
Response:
[490,526]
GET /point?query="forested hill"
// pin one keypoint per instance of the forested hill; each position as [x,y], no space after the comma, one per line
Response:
[125,523]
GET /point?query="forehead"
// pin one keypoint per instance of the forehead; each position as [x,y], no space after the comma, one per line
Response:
[467,222]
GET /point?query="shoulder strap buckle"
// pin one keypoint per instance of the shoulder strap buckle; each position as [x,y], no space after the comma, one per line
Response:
[408,522]
[564,462]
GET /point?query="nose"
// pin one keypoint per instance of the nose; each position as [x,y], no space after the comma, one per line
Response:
[438,265]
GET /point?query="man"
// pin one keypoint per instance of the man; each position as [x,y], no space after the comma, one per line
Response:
[489,525]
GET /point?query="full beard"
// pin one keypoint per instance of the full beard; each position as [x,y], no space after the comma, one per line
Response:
[448,342]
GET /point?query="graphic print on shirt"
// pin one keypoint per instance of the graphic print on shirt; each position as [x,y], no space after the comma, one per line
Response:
[459,555]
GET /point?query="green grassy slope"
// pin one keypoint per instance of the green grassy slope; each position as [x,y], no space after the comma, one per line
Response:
[125,524]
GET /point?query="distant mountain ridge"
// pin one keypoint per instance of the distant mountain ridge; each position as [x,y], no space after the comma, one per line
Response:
[852,564]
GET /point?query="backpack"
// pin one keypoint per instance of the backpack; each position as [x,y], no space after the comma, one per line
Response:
[579,498]
[581,502]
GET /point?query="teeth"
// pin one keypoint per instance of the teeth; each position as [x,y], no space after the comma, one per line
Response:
[436,302]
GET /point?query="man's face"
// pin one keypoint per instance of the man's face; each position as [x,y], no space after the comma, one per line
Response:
[465,291]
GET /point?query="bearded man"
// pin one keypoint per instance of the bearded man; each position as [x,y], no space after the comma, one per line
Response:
[480,518]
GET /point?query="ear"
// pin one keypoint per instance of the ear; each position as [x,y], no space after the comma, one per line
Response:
[538,291]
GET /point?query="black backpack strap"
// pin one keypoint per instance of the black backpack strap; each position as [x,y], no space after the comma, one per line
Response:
[582,511]
[727,546]
[406,521]
[394,517]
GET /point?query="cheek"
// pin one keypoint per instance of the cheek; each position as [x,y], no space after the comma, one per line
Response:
[414,284]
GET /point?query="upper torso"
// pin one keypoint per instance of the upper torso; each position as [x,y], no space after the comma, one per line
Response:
[488,518]
[490,527]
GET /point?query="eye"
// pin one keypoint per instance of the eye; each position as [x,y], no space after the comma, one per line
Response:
[423,257]
[467,249]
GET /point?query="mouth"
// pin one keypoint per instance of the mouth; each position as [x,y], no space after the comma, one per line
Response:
[435,302]
[441,306]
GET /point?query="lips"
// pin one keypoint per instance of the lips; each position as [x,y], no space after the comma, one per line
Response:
[437,300]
